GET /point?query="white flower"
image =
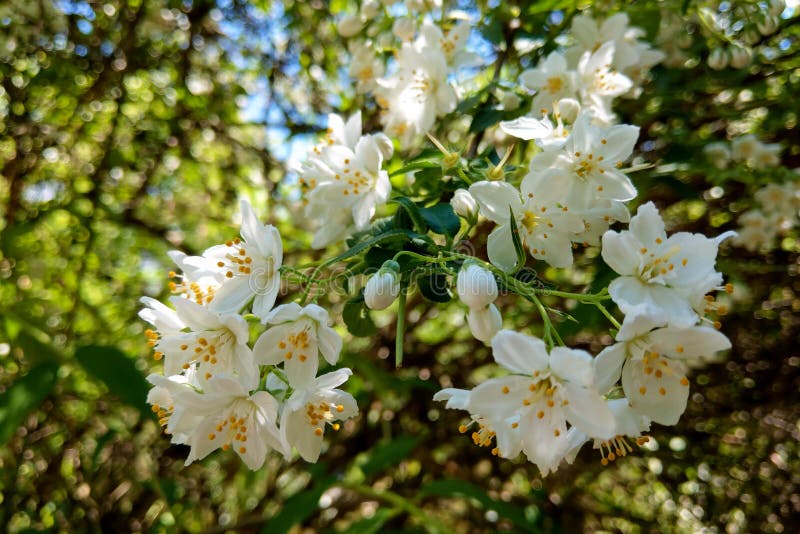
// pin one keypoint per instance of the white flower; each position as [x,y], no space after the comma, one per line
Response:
[663,277]
[766,156]
[200,279]
[548,136]
[451,43]
[544,223]
[485,322]
[172,415]
[215,343]
[588,167]
[596,80]
[546,391]
[404,28]
[591,36]
[506,433]
[552,81]
[231,418]
[745,147]
[476,287]
[719,153]
[464,205]
[781,199]
[297,337]
[346,187]
[251,266]
[165,319]
[651,363]
[417,93]
[757,231]
[365,67]
[309,409]
[628,423]
[382,288]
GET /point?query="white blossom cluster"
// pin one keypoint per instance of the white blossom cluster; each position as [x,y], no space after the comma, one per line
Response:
[414,88]
[554,399]
[747,149]
[217,390]
[777,215]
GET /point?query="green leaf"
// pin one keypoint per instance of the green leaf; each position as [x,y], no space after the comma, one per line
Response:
[118,372]
[442,219]
[356,316]
[463,489]
[387,454]
[24,395]
[434,286]
[486,117]
[518,248]
[413,211]
[417,165]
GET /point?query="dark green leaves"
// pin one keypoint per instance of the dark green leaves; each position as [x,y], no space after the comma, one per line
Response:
[118,372]
[442,219]
[356,316]
[25,395]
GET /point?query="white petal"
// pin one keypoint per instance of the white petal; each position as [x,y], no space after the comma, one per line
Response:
[495,199]
[695,342]
[267,349]
[500,248]
[608,367]
[587,411]
[620,250]
[330,343]
[519,353]
[572,365]
[648,226]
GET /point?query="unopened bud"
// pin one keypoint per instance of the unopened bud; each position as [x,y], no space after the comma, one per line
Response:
[350,25]
[464,204]
[383,287]
[370,9]
[741,56]
[485,322]
[568,108]
[476,286]
[718,59]
[767,25]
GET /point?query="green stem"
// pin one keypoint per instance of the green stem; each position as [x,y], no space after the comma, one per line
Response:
[401,329]
[428,522]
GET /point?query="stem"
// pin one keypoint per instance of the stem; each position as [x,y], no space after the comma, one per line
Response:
[608,315]
[427,521]
[401,329]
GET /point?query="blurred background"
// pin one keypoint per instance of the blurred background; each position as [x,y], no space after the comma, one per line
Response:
[130,128]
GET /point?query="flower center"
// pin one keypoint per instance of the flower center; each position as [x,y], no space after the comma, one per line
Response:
[319,414]
[229,430]
[554,85]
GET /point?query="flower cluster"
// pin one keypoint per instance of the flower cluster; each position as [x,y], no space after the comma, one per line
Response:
[553,398]
[218,391]
[779,212]
[746,149]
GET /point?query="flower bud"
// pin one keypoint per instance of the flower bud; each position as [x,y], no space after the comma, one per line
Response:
[464,204]
[568,108]
[767,25]
[718,59]
[741,56]
[776,7]
[476,286]
[383,287]
[350,25]
[485,322]
[404,28]
[370,9]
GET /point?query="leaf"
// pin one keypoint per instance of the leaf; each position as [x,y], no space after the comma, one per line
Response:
[413,211]
[417,165]
[356,316]
[24,395]
[386,454]
[118,372]
[442,219]
[518,248]
[460,488]
[434,286]
[486,117]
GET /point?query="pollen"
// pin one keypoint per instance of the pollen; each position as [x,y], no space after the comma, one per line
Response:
[662,391]
[642,390]
[684,381]
[318,431]
[505,389]
[340,408]
[212,436]
[679,348]
[463,428]
[540,414]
